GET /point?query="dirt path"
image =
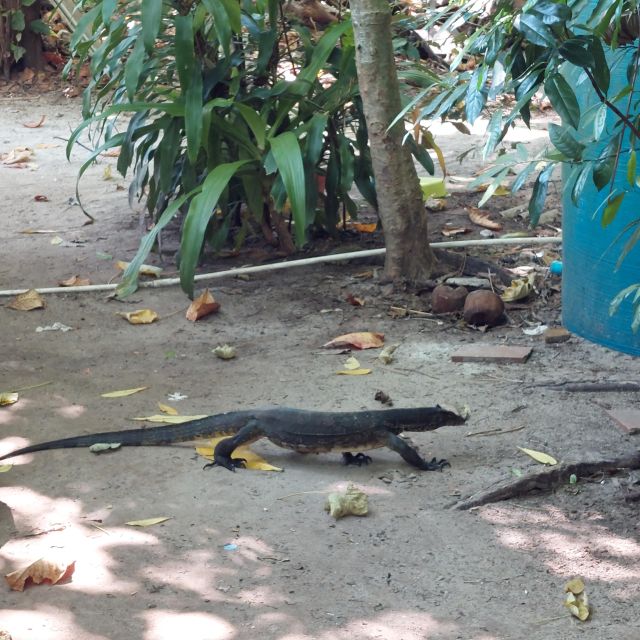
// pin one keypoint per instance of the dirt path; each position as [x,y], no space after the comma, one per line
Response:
[413,569]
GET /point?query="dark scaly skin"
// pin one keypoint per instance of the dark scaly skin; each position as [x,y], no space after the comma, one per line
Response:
[297,429]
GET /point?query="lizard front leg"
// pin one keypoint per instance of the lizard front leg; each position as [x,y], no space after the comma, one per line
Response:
[408,453]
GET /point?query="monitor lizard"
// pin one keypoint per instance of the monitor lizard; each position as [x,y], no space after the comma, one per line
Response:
[302,430]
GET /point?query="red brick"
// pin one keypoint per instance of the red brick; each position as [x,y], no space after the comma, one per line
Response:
[627,420]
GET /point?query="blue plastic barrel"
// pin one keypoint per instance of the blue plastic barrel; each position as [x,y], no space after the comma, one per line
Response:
[589,277]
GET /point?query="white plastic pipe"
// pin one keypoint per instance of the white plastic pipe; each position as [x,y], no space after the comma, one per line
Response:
[338,257]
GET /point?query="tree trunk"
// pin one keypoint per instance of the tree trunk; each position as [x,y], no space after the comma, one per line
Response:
[401,209]
[31,41]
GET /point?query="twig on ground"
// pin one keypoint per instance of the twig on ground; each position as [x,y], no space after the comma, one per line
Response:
[548,479]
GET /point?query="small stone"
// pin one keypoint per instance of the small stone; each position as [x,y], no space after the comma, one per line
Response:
[483,308]
[627,420]
[553,335]
[445,299]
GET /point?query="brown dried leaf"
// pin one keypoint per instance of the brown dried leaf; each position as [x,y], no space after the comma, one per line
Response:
[27,301]
[75,281]
[202,306]
[35,125]
[145,269]
[140,316]
[40,198]
[449,230]
[40,571]
[477,216]
[358,340]
[18,155]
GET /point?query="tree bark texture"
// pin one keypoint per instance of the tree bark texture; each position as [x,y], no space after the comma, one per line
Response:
[401,208]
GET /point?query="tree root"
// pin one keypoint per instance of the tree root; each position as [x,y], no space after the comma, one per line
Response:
[547,480]
[470,265]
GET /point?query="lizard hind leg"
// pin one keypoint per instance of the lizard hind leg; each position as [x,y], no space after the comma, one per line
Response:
[410,455]
[225,448]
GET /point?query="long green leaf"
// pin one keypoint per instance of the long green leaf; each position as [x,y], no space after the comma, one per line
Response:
[581,181]
[193,114]
[610,211]
[185,55]
[288,159]
[220,23]
[257,125]
[565,142]
[534,30]
[232,7]
[201,210]
[563,99]
[130,277]
[539,194]
[133,69]
[83,24]
[494,133]
[151,18]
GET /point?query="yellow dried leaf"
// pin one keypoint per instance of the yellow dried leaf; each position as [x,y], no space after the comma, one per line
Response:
[575,586]
[75,281]
[539,456]
[167,419]
[224,352]
[40,571]
[358,340]
[7,398]
[165,408]
[519,289]
[386,355]
[353,372]
[145,269]
[56,240]
[140,316]
[202,306]
[148,522]
[27,301]
[352,363]
[106,173]
[352,502]
[18,155]
[5,467]
[122,393]
[578,605]
[253,460]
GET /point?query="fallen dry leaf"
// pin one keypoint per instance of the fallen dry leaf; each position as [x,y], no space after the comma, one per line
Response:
[169,419]
[477,216]
[576,599]
[122,393]
[253,460]
[106,173]
[18,156]
[148,522]
[353,372]
[353,502]
[202,306]
[42,570]
[75,281]
[358,340]
[355,300]
[224,352]
[351,363]
[364,227]
[56,240]
[539,456]
[112,153]
[7,398]
[139,316]
[386,355]
[41,198]
[27,301]
[519,289]
[145,269]
[5,467]
[35,125]
[166,409]
[449,230]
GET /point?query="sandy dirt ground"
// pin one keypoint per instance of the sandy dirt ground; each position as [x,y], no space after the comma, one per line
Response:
[413,569]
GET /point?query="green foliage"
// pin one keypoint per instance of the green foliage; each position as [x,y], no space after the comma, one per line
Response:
[226,108]
[12,27]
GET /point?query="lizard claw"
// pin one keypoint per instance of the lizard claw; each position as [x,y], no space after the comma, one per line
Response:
[359,458]
[436,465]
[228,463]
